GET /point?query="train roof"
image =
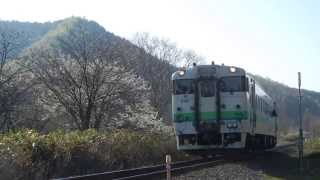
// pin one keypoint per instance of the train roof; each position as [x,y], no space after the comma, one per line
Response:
[207,70]
[262,94]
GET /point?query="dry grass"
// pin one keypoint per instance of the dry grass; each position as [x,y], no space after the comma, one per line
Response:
[26,154]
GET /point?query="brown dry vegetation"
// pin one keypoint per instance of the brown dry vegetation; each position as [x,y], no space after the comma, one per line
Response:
[27,154]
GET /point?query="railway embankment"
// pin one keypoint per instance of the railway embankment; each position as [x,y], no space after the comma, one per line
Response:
[27,154]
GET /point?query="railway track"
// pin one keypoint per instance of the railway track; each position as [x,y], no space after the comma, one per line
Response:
[151,172]
[283,146]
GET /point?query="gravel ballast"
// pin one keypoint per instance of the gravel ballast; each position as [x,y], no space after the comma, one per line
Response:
[234,171]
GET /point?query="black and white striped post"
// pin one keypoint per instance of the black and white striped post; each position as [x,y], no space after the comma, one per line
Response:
[300,127]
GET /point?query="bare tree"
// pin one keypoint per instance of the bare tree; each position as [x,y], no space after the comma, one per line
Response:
[189,57]
[165,50]
[13,86]
[159,58]
[162,49]
[80,71]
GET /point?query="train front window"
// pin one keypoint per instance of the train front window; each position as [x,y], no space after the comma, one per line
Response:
[233,84]
[183,86]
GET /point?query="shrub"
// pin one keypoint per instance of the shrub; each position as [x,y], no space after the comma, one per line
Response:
[312,146]
[291,137]
[26,154]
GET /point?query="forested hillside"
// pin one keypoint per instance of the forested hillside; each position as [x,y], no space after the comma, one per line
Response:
[73,74]
[24,33]
[287,100]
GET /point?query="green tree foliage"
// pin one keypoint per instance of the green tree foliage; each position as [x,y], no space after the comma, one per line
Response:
[287,100]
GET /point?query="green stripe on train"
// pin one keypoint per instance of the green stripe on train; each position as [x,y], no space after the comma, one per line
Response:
[210,116]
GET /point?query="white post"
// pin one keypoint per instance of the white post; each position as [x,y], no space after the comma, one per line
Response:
[168,166]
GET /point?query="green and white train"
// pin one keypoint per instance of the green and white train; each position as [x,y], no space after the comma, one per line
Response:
[217,108]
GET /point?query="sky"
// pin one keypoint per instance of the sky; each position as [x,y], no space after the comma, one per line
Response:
[272,38]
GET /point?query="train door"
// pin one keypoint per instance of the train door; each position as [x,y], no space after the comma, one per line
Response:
[207,103]
[274,116]
[253,117]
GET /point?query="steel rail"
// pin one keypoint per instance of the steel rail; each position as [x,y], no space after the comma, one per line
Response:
[174,170]
[283,146]
[143,171]
[160,170]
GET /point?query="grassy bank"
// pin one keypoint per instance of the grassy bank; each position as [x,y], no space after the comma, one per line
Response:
[26,154]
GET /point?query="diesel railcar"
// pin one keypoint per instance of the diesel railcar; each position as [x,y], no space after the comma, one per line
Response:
[218,107]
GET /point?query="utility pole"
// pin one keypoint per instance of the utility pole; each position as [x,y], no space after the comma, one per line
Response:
[300,146]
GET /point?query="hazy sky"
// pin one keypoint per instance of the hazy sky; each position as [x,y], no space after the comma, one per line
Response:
[272,38]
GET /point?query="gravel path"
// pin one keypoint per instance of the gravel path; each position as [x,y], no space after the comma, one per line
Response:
[235,171]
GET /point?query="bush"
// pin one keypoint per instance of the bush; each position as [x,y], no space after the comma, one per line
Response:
[312,146]
[291,137]
[26,154]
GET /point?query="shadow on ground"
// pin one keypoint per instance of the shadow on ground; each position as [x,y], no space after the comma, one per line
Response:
[285,165]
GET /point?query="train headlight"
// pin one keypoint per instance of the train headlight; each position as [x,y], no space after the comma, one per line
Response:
[232,125]
[235,125]
[181,73]
[233,69]
[229,125]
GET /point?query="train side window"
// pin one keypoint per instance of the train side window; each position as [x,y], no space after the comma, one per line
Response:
[260,100]
[266,108]
[183,86]
[269,110]
[256,101]
[207,88]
